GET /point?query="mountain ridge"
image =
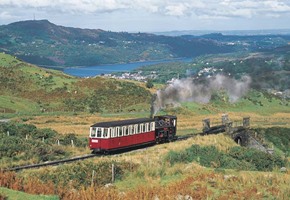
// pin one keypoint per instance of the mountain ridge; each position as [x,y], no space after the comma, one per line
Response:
[44,43]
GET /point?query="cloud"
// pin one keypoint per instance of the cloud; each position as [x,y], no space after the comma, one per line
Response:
[5,15]
[151,15]
[200,8]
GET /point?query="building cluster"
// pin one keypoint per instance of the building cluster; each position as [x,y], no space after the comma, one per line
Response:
[137,76]
[282,94]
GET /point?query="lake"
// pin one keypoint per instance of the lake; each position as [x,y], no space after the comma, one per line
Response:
[111,68]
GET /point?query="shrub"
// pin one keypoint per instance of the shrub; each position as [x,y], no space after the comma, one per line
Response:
[45,134]
[79,142]
[261,160]
[280,137]
[237,158]
[15,145]
[11,146]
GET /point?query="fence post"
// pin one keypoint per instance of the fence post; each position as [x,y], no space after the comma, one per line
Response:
[113,173]
[92,181]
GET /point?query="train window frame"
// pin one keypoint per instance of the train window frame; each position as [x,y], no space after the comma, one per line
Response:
[136,130]
[124,129]
[130,128]
[105,132]
[112,132]
[109,133]
[99,132]
[119,131]
[141,128]
[152,126]
[93,132]
[146,127]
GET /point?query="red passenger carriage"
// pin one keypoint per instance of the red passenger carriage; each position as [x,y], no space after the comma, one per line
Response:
[116,135]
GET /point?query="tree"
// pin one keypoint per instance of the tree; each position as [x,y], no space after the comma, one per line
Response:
[149,83]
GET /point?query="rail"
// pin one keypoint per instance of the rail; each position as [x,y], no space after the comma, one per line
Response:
[51,163]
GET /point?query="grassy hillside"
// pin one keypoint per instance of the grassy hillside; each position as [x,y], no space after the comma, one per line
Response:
[28,88]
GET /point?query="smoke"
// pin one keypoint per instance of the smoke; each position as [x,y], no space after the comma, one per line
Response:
[187,90]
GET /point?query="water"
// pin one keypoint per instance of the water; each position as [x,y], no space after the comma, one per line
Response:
[108,69]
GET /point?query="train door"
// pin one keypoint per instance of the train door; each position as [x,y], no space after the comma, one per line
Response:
[119,137]
[159,135]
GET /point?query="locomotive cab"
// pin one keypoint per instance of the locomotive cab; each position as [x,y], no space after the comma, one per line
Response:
[165,130]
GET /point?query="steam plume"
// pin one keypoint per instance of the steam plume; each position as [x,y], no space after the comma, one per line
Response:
[186,90]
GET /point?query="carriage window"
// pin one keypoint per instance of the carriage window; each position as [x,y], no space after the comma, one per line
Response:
[112,132]
[141,128]
[152,126]
[118,131]
[105,133]
[130,129]
[125,130]
[146,127]
[99,132]
[93,132]
[136,129]
[174,122]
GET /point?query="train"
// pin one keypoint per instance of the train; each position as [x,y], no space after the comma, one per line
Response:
[105,137]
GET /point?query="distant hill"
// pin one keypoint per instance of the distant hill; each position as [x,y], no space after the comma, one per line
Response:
[43,43]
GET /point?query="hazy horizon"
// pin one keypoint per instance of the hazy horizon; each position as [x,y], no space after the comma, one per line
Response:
[191,32]
[152,15]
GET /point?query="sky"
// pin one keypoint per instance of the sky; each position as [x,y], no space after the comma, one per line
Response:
[152,15]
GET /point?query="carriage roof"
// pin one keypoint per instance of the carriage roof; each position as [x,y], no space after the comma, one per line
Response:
[123,122]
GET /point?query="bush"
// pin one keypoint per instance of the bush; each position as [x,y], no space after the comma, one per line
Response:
[238,158]
[15,129]
[45,134]
[280,137]
[229,162]
[261,160]
[149,83]
[11,146]
[79,142]
[15,146]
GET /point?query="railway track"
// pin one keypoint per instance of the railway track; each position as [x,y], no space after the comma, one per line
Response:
[52,163]
[78,158]
[185,137]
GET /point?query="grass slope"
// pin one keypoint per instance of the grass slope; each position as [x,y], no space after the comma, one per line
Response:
[26,88]
[16,195]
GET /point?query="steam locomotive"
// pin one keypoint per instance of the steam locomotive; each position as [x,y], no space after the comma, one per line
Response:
[117,135]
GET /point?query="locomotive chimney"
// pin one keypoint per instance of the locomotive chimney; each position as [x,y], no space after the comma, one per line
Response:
[152,109]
